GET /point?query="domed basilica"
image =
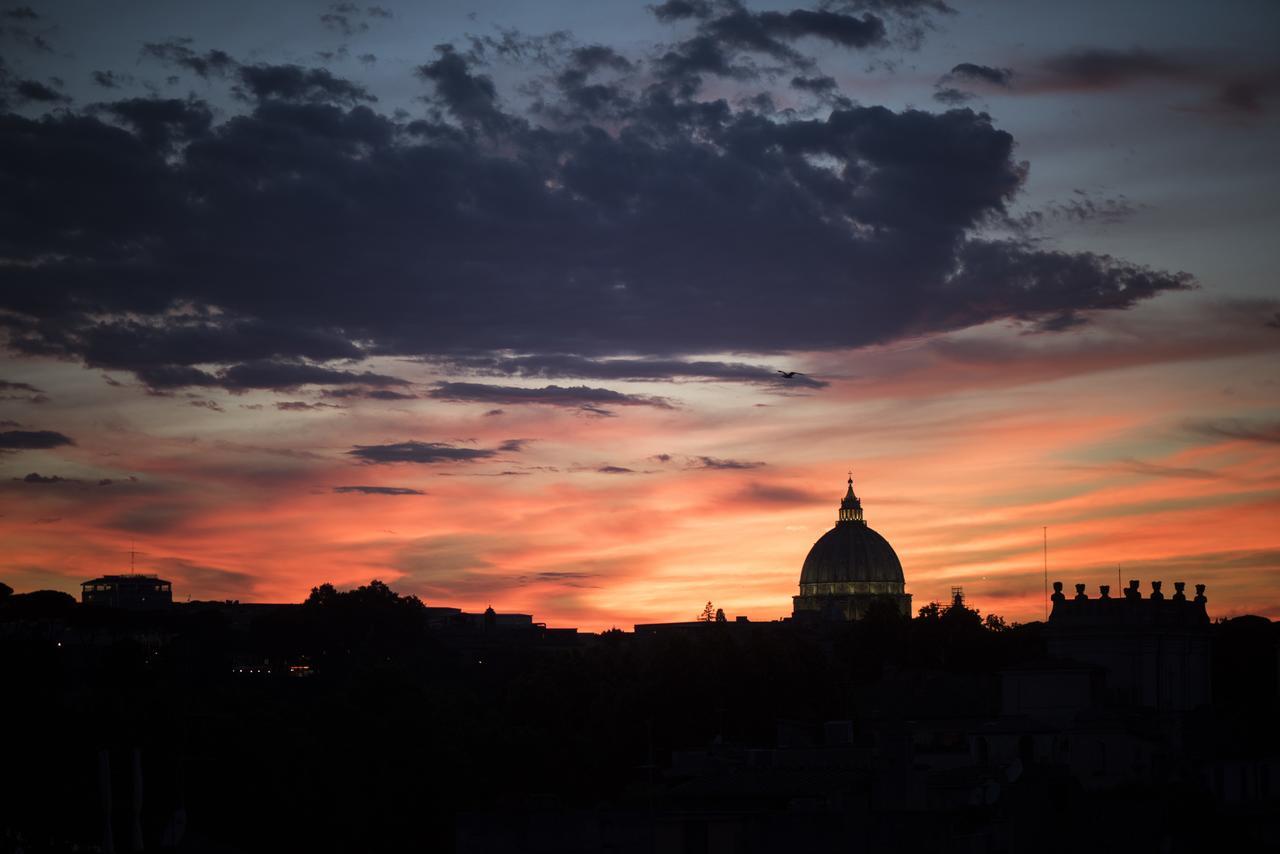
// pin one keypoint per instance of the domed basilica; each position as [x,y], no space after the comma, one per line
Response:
[848,568]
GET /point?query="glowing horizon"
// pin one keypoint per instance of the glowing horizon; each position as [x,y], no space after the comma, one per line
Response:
[591,527]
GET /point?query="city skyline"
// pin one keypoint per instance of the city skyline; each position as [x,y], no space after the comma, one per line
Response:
[497,308]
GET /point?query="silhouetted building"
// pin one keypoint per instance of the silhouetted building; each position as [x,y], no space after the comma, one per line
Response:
[849,568]
[695,626]
[135,590]
[1154,652]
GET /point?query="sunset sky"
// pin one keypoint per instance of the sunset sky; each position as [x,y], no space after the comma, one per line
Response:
[488,300]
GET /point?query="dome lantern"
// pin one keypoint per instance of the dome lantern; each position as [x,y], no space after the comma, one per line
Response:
[850,507]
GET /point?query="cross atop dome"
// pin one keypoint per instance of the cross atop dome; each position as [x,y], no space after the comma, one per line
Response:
[851,507]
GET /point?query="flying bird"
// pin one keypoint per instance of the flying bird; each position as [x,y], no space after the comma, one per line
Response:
[786,375]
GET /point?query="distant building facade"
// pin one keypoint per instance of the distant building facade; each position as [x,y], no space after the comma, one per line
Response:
[135,591]
[1154,651]
[849,568]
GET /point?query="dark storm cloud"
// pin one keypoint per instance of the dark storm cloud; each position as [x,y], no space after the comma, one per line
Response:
[583,84]
[947,90]
[37,478]
[1080,207]
[1236,88]
[265,374]
[951,96]
[345,17]
[704,462]
[187,341]
[287,375]
[981,73]
[552,395]
[15,25]
[295,83]
[731,24]
[676,10]
[1055,274]
[378,490]
[368,394]
[32,440]
[511,45]
[341,17]
[179,53]
[419,452]
[596,57]
[162,123]
[470,97]
[301,232]
[1248,93]
[904,8]
[1102,67]
[303,406]
[33,91]
[716,463]
[729,37]
[554,365]
[819,85]
[110,79]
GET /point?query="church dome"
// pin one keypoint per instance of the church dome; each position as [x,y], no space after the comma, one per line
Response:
[851,552]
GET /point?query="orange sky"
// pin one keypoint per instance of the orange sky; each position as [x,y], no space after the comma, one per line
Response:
[1143,441]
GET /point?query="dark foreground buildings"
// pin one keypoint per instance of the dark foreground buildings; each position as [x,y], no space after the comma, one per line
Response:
[366,721]
[134,590]
[1101,730]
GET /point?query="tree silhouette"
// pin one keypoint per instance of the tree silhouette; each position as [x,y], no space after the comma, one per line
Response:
[708,614]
